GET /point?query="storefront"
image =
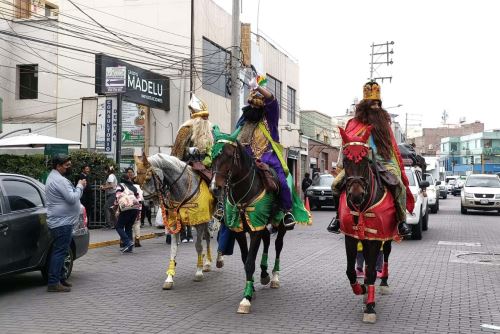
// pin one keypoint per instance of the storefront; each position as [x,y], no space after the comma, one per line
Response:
[127,95]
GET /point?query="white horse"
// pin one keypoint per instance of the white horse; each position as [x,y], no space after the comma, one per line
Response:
[185,200]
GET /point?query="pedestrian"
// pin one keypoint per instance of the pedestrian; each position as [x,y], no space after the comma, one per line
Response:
[146,212]
[306,183]
[110,194]
[87,197]
[137,224]
[63,211]
[128,206]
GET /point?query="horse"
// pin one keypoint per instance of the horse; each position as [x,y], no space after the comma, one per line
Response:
[367,214]
[248,209]
[185,200]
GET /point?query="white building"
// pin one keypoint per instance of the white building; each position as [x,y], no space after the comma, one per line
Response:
[48,66]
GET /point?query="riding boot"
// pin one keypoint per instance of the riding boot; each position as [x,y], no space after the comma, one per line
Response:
[137,242]
[358,289]
[385,271]
[289,220]
[404,229]
[334,226]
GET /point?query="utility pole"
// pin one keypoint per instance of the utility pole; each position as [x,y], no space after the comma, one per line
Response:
[191,79]
[378,51]
[235,65]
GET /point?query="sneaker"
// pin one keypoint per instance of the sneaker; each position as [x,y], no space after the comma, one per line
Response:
[58,288]
[359,273]
[185,241]
[191,239]
[66,284]
[289,221]
[334,226]
[379,274]
[127,248]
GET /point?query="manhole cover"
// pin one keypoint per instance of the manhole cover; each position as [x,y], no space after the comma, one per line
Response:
[492,258]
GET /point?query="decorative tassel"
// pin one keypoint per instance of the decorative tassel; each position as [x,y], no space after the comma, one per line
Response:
[261,80]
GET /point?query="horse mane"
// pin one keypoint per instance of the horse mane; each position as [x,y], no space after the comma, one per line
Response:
[167,162]
[246,159]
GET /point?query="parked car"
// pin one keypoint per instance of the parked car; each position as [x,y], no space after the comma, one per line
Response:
[419,220]
[450,184]
[25,241]
[320,192]
[432,193]
[481,192]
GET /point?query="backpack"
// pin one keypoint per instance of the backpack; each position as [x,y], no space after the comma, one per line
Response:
[127,200]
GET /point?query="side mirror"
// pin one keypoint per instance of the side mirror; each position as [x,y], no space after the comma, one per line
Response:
[438,183]
[424,184]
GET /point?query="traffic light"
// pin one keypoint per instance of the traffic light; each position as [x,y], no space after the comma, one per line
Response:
[472,160]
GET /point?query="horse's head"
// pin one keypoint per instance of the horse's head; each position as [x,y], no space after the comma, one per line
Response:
[147,177]
[356,161]
[225,155]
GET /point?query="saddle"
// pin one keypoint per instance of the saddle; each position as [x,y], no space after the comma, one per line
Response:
[386,177]
[268,176]
[201,170]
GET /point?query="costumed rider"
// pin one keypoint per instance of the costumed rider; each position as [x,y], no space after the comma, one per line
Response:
[259,135]
[194,139]
[385,150]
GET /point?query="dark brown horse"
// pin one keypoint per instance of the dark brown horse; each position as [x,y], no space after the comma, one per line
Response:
[367,214]
[235,171]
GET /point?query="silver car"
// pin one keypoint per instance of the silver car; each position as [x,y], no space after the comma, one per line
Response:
[481,192]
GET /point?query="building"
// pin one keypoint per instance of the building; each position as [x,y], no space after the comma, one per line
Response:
[430,141]
[317,129]
[477,153]
[50,55]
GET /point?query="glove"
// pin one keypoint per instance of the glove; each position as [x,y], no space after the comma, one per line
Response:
[253,84]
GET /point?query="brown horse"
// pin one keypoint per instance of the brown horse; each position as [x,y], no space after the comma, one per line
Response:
[367,214]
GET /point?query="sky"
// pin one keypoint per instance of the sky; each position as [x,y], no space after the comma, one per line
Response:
[446,54]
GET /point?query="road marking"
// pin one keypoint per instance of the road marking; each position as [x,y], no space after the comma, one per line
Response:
[457,243]
[491,327]
[488,258]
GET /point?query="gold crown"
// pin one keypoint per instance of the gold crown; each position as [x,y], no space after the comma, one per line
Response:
[198,107]
[371,91]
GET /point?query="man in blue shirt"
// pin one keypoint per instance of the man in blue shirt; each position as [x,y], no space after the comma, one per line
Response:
[63,210]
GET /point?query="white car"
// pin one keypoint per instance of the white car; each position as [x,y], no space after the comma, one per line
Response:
[432,193]
[419,220]
[481,192]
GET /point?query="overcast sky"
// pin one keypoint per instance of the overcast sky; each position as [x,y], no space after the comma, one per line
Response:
[446,53]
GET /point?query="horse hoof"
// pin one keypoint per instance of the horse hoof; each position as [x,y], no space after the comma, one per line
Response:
[384,290]
[219,264]
[168,285]
[369,318]
[244,307]
[198,278]
[265,280]
[207,268]
[275,284]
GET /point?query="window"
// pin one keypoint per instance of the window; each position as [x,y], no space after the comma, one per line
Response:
[28,81]
[22,9]
[50,9]
[487,143]
[274,86]
[21,195]
[290,103]
[215,65]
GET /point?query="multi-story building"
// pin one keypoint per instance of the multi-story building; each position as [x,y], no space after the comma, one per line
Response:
[430,141]
[478,153]
[55,84]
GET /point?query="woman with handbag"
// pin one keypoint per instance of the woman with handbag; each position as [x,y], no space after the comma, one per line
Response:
[128,208]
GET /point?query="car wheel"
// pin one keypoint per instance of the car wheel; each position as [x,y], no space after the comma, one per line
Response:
[67,266]
[463,210]
[416,230]
[435,208]
[425,221]
[445,196]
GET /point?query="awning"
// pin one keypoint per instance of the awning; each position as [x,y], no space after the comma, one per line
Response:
[34,140]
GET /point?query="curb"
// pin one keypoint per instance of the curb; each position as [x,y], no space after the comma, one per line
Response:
[117,241]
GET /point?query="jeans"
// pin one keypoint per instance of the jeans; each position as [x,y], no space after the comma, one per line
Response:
[108,213]
[126,220]
[61,241]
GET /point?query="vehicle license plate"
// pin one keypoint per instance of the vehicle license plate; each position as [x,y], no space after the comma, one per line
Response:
[484,201]
[322,198]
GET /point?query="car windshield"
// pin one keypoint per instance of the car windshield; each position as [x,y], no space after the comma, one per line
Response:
[323,181]
[451,182]
[409,175]
[489,182]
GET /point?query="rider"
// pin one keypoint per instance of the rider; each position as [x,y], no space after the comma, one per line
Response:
[385,149]
[194,133]
[259,135]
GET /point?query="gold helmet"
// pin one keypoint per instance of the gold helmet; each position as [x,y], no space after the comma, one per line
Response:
[255,99]
[198,107]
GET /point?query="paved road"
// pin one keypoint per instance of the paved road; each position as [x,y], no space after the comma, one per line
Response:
[115,293]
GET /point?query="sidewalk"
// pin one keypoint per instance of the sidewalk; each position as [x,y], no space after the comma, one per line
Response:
[106,237]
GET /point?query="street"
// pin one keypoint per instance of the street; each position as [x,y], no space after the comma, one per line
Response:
[432,292]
